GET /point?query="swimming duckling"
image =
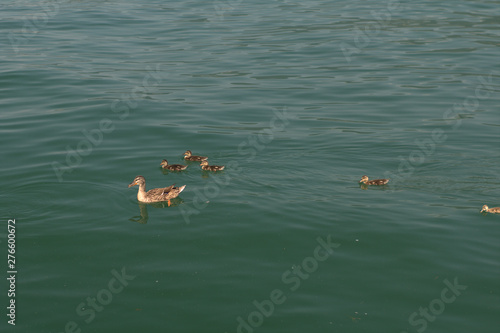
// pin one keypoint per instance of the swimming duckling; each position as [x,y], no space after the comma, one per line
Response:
[494,210]
[188,156]
[205,166]
[156,194]
[173,167]
[365,181]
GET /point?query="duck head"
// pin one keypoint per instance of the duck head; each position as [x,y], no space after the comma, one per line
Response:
[188,153]
[363,179]
[139,180]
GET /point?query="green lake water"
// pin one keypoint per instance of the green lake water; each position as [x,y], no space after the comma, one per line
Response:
[298,99]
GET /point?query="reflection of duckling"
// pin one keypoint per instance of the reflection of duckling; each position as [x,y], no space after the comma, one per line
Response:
[188,156]
[365,181]
[156,194]
[494,210]
[172,167]
[205,166]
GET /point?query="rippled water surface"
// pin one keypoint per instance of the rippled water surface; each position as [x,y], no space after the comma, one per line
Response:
[298,99]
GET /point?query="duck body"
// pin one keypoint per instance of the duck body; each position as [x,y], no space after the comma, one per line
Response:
[172,167]
[205,166]
[365,180]
[190,157]
[156,194]
[493,210]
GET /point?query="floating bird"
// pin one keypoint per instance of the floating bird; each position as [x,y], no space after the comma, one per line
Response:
[188,156]
[365,181]
[205,166]
[156,194]
[494,210]
[173,167]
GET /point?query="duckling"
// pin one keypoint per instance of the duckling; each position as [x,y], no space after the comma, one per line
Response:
[365,181]
[156,194]
[188,156]
[494,210]
[173,167]
[205,166]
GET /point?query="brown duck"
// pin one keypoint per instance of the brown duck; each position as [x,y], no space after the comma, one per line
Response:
[494,210]
[156,194]
[173,167]
[365,181]
[205,166]
[190,157]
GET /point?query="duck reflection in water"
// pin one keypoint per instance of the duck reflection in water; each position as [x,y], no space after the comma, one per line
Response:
[143,209]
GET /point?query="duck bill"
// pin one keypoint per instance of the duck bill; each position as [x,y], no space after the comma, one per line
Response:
[132,184]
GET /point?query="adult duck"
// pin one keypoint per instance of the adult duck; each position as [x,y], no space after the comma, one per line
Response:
[156,194]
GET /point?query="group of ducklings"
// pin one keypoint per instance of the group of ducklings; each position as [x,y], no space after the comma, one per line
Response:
[188,156]
[365,180]
[170,192]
